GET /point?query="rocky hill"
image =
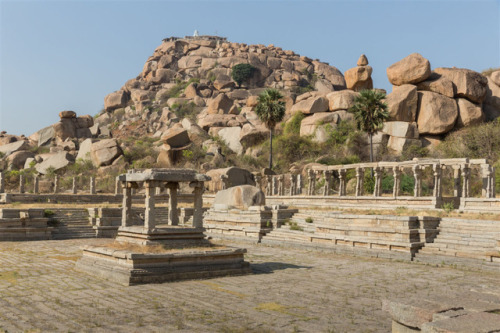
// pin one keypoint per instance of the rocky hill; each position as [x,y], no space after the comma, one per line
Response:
[185,108]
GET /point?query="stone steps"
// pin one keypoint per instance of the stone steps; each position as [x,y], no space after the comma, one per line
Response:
[460,241]
[72,224]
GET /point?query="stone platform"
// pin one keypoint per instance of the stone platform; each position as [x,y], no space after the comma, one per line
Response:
[129,267]
[23,225]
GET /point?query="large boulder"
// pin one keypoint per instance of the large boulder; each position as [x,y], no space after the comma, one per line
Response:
[311,105]
[359,78]
[221,120]
[437,114]
[219,105]
[495,77]
[398,144]
[231,136]
[439,84]
[468,83]
[104,152]
[250,134]
[468,113]
[402,103]
[309,124]
[55,161]
[240,197]
[235,176]
[341,100]
[401,129]
[45,135]
[18,159]
[13,147]
[491,105]
[115,100]
[411,69]
[84,151]
[176,137]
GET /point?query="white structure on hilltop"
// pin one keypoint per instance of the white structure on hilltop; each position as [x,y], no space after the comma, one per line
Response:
[196,34]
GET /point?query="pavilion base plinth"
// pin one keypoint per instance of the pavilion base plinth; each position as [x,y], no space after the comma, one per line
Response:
[129,267]
[170,236]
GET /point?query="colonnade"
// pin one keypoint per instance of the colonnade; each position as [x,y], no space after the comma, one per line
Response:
[461,178]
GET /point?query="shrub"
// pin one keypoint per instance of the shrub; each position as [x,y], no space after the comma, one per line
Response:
[185,110]
[242,72]
[309,220]
[292,126]
[48,213]
[448,207]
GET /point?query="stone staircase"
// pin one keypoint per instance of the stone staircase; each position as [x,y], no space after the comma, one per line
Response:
[465,243]
[370,235]
[72,223]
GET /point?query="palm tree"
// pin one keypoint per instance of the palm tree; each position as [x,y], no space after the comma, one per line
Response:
[271,110]
[369,112]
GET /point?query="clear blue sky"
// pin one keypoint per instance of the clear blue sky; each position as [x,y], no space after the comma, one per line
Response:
[68,55]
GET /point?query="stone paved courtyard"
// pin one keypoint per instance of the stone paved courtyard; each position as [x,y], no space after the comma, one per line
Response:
[290,291]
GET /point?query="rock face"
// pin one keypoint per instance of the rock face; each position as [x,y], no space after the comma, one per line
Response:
[235,176]
[359,77]
[437,114]
[13,147]
[55,161]
[116,100]
[84,151]
[231,136]
[467,83]
[412,69]
[18,159]
[468,113]
[401,129]
[176,137]
[311,105]
[439,84]
[341,100]
[491,106]
[402,103]
[104,152]
[309,124]
[241,197]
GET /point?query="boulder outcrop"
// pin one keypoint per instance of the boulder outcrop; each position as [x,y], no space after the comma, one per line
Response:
[437,114]
[411,69]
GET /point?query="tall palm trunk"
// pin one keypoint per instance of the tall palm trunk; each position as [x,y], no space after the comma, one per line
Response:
[271,150]
[371,152]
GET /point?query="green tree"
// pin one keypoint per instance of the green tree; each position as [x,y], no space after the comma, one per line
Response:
[271,110]
[370,112]
[242,72]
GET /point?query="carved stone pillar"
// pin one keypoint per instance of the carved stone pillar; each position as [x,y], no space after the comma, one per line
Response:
[92,185]
[199,187]
[2,182]
[127,205]
[149,211]
[56,184]
[281,185]
[326,188]
[293,185]
[417,174]
[493,183]
[465,180]
[342,173]
[396,190]
[487,175]
[299,184]
[377,189]
[312,182]
[269,186]
[36,184]
[436,168]
[457,190]
[173,216]
[73,186]
[258,180]
[21,183]
[360,177]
